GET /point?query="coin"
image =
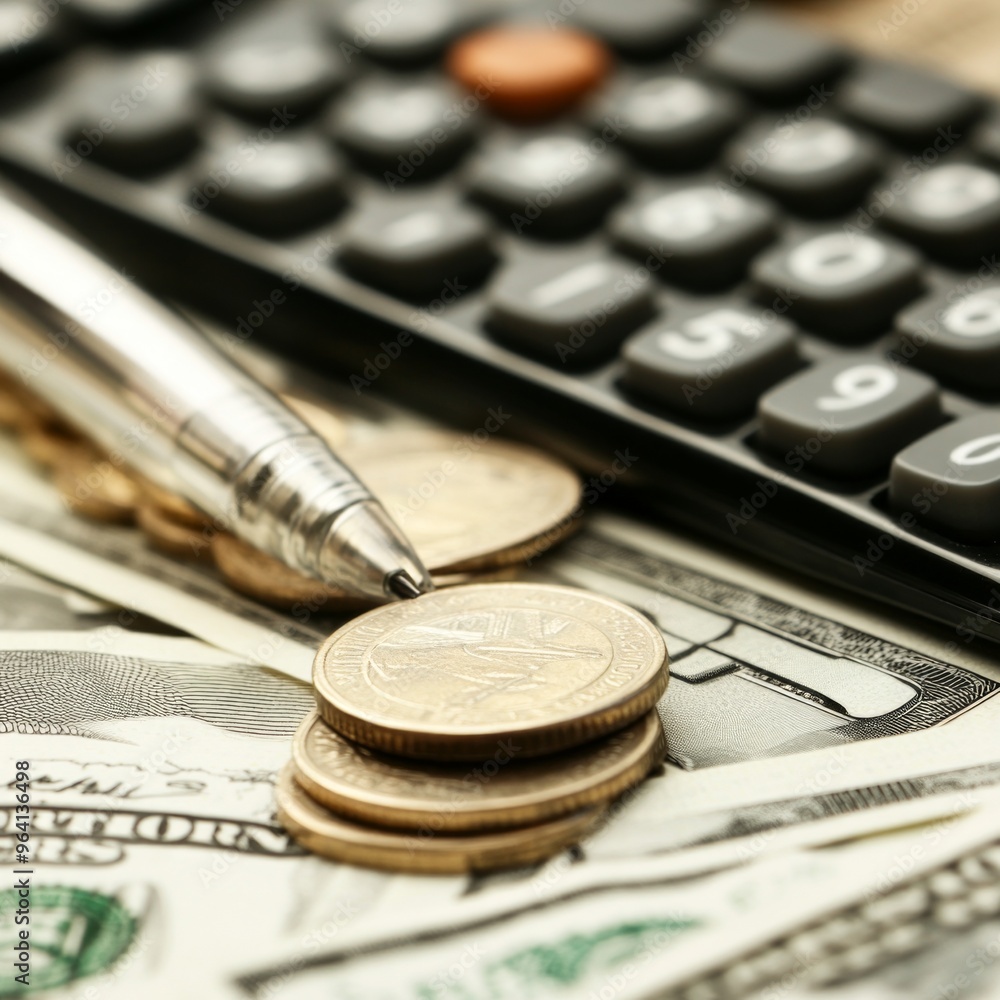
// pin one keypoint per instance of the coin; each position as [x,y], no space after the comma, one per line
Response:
[446,675]
[271,582]
[92,486]
[173,506]
[466,505]
[175,537]
[326,833]
[501,791]
[50,445]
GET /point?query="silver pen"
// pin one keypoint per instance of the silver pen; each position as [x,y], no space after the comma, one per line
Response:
[144,384]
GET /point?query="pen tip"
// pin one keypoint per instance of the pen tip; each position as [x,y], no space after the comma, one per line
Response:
[401,584]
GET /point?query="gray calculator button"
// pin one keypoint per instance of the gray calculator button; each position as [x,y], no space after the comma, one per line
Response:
[402,129]
[774,59]
[956,337]
[396,33]
[570,312]
[417,248]
[641,27]
[846,285]
[907,104]
[290,185]
[952,212]
[140,113]
[556,182]
[278,61]
[706,236]
[951,479]
[671,122]
[821,167]
[712,363]
[847,418]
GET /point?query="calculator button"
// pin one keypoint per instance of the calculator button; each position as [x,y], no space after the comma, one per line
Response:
[671,121]
[280,61]
[953,336]
[710,364]
[701,237]
[25,38]
[140,114]
[845,285]
[641,27]
[416,249]
[818,168]
[950,479]
[847,418]
[774,60]
[951,211]
[529,72]
[986,138]
[908,105]
[121,15]
[569,312]
[403,129]
[546,183]
[285,186]
[401,33]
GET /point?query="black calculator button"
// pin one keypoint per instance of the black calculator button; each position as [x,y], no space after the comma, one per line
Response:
[641,27]
[713,363]
[986,138]
[908,105]
[281,61]
[952,212]
[404,33]
[950,479]
[418,248]
[954,336]
[845,285]
[403,129]
[139,113]
[288,185]
[548,183]
[774,60]
[847,418]
[817,168]
[123,15]
[27,36]
[671,121]
[701,237]
[570,312]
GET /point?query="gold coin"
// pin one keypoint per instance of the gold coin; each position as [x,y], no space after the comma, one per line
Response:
[326,833]
[373,787]
[174,537]
[271,582]
[92,486]
[446,675]
[171,505]
[51,445]
[464,505]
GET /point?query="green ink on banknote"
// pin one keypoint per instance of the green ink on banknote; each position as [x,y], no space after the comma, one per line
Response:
[73,933]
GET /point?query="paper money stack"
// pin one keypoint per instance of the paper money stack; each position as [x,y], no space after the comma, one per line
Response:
[477,728]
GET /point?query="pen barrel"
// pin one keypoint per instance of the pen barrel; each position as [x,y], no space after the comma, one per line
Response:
[148,388]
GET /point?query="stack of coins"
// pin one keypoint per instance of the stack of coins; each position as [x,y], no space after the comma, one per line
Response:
[474,728]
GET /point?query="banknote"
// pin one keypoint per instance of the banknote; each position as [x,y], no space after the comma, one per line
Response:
[769,714]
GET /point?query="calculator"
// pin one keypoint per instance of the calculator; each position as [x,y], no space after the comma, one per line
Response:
[740,274]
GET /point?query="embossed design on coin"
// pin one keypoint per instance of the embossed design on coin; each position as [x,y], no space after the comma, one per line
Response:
[326,833]
[444,676]
[374,787]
